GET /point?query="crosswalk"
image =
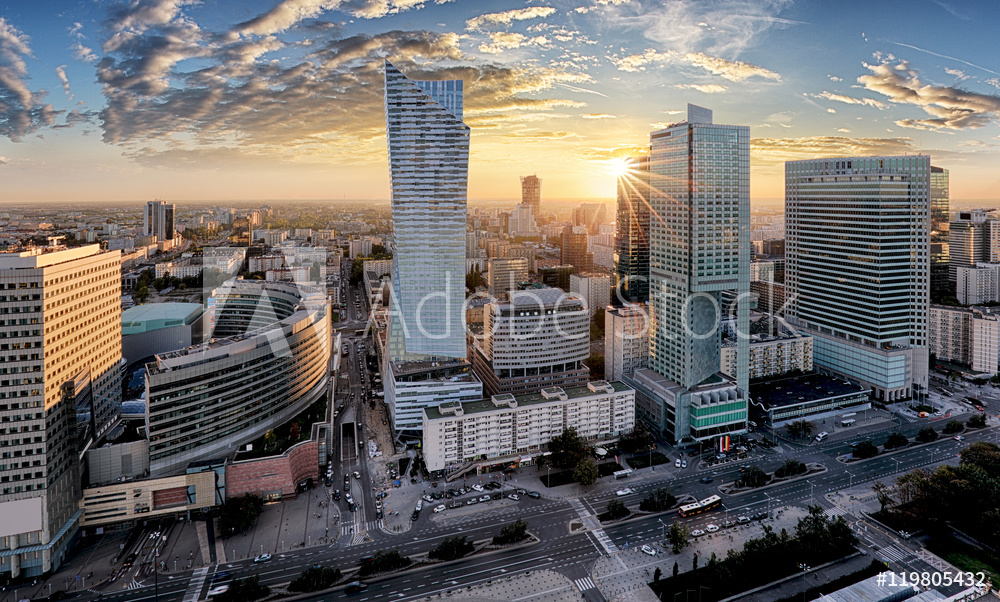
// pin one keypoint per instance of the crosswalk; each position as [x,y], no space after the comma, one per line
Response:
[894,553]
[835,512]
[605,541]
[193,590]
[133,584]
[584,584]
[348,529]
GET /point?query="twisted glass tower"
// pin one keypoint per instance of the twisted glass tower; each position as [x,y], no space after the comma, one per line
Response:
[429,164]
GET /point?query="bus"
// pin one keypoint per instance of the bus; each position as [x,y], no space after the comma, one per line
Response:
[704,505]
[622,474]
[848,422]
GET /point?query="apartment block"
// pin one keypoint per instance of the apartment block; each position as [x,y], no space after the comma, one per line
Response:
[963,335]
[771,355]
[626,340]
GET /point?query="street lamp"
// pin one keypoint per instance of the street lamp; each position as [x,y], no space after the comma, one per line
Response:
[663,526]
[850,482]
[896,460]
[812,492]
[768,505]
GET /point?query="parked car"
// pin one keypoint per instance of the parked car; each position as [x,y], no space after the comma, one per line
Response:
[712,528]
[677,463]
[415,515]
[514,497]
[420,505]
[484,498]
[684,463]
[439,508]
[455,505]
[648,550]
[743,520]
[534,495]
[472,501]
[697,533]
[477,487]
[263,558]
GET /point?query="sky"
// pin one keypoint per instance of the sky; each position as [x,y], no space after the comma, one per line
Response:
[108,100]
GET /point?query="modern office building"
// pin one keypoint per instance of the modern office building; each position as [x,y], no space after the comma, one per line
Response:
[505,275]
[593,288]
[858,267]
[574,249]
[631,256]
[540,338]
[964,335]
[521,221]
[940,219]
[626,340]
[531,192]
[160,327]
[699,247]
[974,237]
[511,428]
[557,276]
[267,360]
[779,401]
[158,220]
[425,353]
[61,356]
[771,355]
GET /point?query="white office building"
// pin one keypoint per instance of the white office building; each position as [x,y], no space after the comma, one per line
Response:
[505,274]
[516,427]
[594,289]
[969,336]
[858,267]
[626,340]
[521,221]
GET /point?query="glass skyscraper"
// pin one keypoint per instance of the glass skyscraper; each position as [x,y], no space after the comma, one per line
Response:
[428,163]
[940,220]
[857,267]
[632,240]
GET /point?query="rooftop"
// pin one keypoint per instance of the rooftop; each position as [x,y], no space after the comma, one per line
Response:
[798,389]
[153,316]
[529,399]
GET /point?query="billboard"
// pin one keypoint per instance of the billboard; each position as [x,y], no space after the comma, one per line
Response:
[20,516]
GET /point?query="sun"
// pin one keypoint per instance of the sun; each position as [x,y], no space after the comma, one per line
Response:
[619,167]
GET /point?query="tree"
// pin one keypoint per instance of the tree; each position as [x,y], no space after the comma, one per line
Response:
[638,441]
[597,325]
[585,472]
[953,426]
[596,364]
[882,494]
[976,421]
[237,515]
[141,294]
[679,537]
[799,428]
[658,501]
[474,280]
[980,381]
[753,476]
[567,449]
[452,548]
[864,450]
[315,579]
[790,468]
[926,435]
[896,440]
[511,533]
[383,562]
[694,562]
[616,509]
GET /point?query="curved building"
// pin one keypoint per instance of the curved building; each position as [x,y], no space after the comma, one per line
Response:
[268,365]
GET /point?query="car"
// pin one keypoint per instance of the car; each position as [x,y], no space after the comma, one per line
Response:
[379,513]
[484,498]
[534,495]
[355,587]
[743,520]
[348,498]
[420,505]
[697,533]
[514,497]
[455,505]
[759,516]
[497,495]
[521,491]
[218,590]
[958,438]
[472,501]
[357,475]
[220,576]
[477,487]
[648,550]
[677,463]
[263,558]
[439,508]
[705,480]
[728,523]
[427,498]
[625,491]
[336,495]
[684,464]
[712,528]
[378,504]
[436,495]
[415,515]
[352,507]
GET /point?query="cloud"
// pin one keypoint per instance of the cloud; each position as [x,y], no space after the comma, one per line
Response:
[82,53]
[501,41]
[704,88]
[735,71]
[609,153]
[957,73]
[773,151]
[944,56]
[579,89]
[871,102]
[21,110]
[722,27]
[598,116]
[509,16]
[284,15]
[952,10]
[948,107]
[844,130]
[637,62]
[834,78]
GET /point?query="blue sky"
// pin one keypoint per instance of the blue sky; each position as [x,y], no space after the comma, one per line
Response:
[272,99]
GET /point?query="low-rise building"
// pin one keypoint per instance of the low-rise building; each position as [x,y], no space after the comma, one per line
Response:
[814,396]
[159,327]
[505,427]
[969,336]
[770,355]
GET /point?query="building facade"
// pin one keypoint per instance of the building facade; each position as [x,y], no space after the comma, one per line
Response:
[626,340]
[61,356]
[505,426]
[631,255]
[940,219]
[978,284]
[594,289]
[969,336]
[574,249]
[505,275]
[531,192]
[700,247]
[158,220]
[538,339]
[771,355]
[858,267]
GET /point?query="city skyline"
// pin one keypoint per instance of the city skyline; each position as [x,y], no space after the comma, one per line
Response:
[275,100]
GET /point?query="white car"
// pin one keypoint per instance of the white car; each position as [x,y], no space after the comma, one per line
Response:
[420,505]
[484,498]
[712,528]
[697,533]
[648,550]
[514,496]
[625,491]
[439,508]
[477,487]
[263,558]
[684,463]
[427,499]
[218,590]
[677,463]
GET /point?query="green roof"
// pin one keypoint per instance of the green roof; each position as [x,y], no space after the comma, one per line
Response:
[154,316]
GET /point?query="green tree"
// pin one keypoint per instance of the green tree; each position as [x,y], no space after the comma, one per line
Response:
[639,440]
[511,533]
[141,294]
[597,325]
[954,426]
[976,421]
[596,364]
[864,450]
[896,440]
[679,537]
[882,494]
[753,476]
[658,501]
[567,449]
[242,590]
[980,381]
[452,548]
[790,468]
[473,280]
[799,428]
[616,509]
[237,515]
[315,579]
[384,561]
[585,472]
[926,435]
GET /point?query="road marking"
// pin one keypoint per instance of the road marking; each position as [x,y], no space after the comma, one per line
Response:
[584,584]
[197,582]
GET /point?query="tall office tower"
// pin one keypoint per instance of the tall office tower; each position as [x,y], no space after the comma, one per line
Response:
[425,360]
[531,192]
[521,221]
[590,216]
[506,274]
[858,267]
[158,220]
[700,246]
[61,390]
[940,217]
[574,249]
[632,239]
[540,338]
[968,242]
